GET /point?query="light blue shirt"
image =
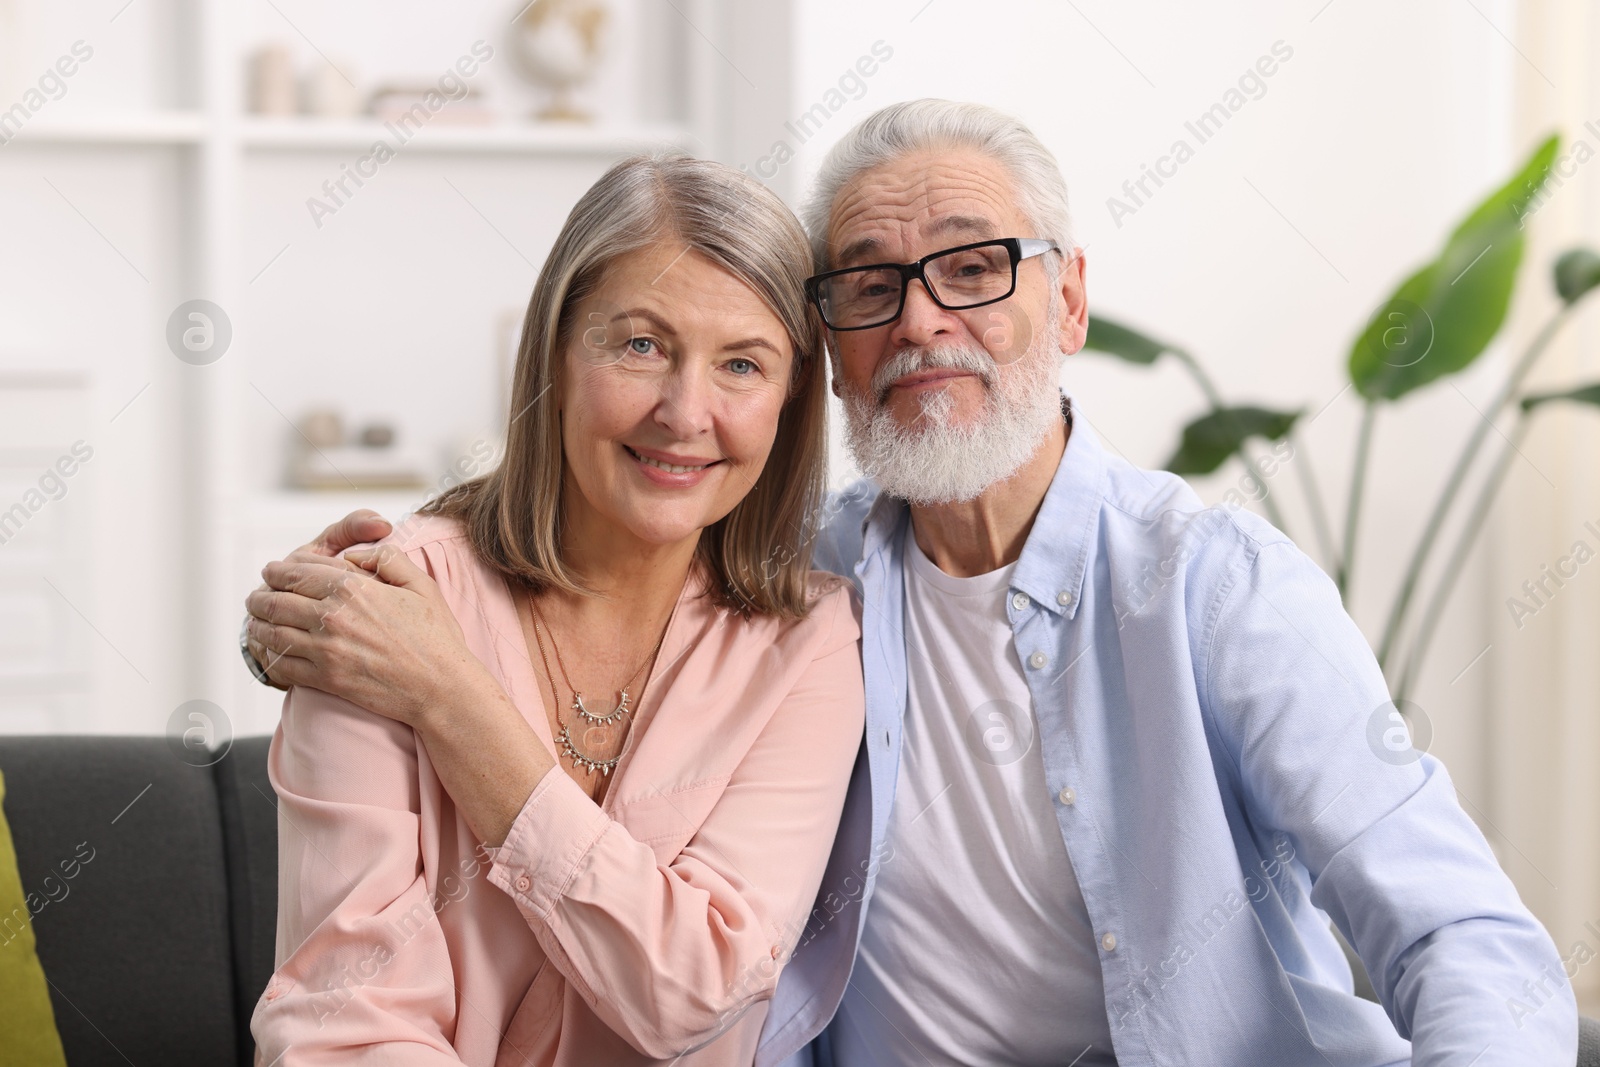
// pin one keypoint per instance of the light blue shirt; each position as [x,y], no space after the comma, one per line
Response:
[1221,761]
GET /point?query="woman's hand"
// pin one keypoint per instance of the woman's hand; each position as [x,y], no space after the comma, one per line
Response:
[381,636]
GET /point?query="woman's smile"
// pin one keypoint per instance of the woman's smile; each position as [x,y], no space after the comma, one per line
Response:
[672,471]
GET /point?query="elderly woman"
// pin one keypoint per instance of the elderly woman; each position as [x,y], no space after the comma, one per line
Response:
[563,757]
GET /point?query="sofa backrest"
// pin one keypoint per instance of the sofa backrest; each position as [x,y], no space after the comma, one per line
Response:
[249,810]
[154,888]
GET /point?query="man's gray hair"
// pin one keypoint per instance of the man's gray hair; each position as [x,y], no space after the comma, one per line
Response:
[931,124]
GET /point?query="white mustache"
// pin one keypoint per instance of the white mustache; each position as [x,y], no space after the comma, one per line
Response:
[941,357]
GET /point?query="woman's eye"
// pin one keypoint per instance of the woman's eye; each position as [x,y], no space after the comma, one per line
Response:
[641,346]
[743,367]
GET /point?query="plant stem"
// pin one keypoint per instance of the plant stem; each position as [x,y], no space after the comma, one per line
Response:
[1268,505]
[1408,585]
[1352,511]
[1203,380]
[1458,558]
[1319,517]
[1214,398]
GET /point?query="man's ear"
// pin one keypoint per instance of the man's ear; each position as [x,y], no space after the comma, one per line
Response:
[1074,302]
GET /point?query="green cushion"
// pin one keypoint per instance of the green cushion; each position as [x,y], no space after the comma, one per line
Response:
[29,1034]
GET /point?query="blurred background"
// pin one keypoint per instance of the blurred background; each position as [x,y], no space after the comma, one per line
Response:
[236,236]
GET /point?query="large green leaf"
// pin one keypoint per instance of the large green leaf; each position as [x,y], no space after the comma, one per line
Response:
[1212,438]
[1442,317]
[1113,338]
[1584,394]
[1576,273]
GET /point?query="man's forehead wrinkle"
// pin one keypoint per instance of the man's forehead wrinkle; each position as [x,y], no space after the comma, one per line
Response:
[871,202]
[879,202]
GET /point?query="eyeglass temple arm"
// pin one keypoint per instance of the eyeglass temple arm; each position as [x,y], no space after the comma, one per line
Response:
[1028,247]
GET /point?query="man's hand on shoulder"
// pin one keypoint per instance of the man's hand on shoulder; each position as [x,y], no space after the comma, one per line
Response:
[320,570]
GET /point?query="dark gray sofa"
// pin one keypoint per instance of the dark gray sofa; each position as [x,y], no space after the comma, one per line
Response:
[158,948]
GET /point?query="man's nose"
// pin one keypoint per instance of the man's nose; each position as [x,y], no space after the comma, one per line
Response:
[922,320]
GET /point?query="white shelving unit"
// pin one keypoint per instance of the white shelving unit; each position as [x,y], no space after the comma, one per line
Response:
[357,136]
[162,189]
[44,654]
[309,134]
[153,128]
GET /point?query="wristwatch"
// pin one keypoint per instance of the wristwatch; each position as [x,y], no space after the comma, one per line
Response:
[257,671]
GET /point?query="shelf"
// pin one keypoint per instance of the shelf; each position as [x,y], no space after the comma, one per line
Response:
[267,525]
[358,135]
[305,506]
[312,135]
[149,128]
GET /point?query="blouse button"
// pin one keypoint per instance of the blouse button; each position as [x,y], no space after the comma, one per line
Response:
[1064,598]
[1108,941]
[1038,660]
[523,883]
[1019,601]
[1067,796]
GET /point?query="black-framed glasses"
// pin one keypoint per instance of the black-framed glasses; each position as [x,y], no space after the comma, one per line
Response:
[967,276]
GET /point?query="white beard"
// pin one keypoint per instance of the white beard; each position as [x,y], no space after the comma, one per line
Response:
[936,462]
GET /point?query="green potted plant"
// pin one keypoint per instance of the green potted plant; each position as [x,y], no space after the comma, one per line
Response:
[1437,322]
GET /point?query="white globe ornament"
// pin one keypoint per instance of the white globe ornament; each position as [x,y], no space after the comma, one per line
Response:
[558,45]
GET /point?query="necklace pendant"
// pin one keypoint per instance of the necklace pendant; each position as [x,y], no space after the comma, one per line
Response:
[579,758]
[612,716]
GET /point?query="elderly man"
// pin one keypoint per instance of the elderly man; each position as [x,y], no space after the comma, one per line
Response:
[1117,774]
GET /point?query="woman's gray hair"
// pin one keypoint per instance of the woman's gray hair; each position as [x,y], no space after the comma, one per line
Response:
[931,124]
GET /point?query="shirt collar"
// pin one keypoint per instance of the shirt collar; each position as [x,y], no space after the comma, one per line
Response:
[882,523]
[1056,555]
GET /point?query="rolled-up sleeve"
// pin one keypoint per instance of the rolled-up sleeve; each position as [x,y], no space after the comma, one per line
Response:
[668,954]
[363,973]
[1394,860]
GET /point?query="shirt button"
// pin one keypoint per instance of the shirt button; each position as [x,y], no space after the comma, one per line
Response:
[1064,598]
[1108,941]
[1067,796]
[1019,600]
[523,883]
[1038,660]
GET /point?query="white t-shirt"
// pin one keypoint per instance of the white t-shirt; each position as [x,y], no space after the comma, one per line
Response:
[977,946]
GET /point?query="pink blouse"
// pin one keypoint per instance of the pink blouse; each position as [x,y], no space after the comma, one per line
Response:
[626,932]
